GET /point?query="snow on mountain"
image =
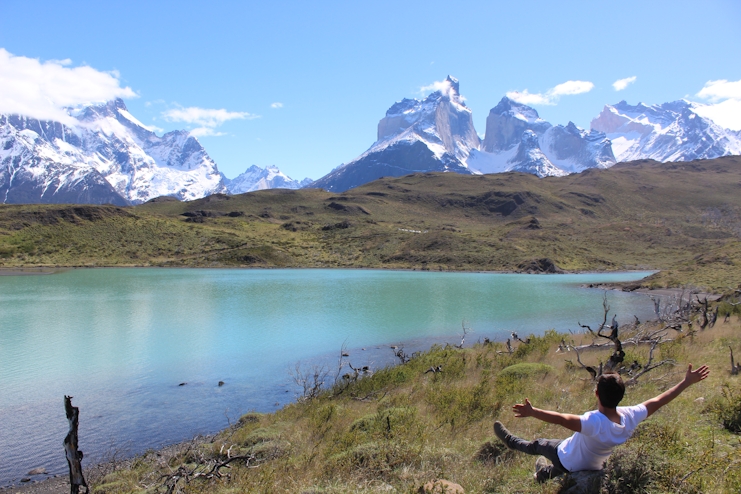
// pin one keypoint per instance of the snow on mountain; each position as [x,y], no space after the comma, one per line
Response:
[509,144]
[530,159]
[668,132]
[434,134]
[256,178]
[108,156]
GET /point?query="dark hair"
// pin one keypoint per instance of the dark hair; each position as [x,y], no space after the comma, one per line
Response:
[610,390]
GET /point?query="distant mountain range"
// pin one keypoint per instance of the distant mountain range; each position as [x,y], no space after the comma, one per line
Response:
[108,156]
[437,134]
[256,178]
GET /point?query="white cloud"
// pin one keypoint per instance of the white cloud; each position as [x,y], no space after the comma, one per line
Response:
[207,119]
[721,90]
[205,131]
[277,104]
[551,96]
[445,87]
[527,98]
[621,84]
[44,89]
[725,97]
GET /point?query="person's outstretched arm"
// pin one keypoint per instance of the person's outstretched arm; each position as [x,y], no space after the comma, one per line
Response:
[571,422]
[690,378]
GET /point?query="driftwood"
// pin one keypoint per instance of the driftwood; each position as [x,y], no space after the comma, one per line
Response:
[204,470]
[74,456]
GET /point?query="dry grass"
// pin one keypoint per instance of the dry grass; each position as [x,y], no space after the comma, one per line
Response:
[399,428]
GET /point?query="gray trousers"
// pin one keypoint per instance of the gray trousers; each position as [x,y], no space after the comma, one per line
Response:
[542,447]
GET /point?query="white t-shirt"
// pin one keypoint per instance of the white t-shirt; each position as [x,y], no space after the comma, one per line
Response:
[590,448]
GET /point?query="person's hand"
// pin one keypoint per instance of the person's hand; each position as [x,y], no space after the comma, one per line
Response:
[696,376]
[523,409]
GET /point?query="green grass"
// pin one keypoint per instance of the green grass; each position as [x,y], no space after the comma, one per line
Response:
[683,219]
[401,427]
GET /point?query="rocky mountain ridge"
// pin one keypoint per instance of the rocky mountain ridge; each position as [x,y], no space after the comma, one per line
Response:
[256,178]
[107,157]
[437,134]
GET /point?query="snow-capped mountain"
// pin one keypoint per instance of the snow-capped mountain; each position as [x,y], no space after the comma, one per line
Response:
[668,132]
[107,156]
[434,134]
[517,139]
[256,178]
[530,159]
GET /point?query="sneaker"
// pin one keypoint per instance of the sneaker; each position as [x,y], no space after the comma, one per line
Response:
[503,434]
[542,469]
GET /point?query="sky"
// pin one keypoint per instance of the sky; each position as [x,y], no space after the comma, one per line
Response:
[302,85]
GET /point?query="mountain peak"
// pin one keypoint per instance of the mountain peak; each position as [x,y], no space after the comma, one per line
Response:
[454,84]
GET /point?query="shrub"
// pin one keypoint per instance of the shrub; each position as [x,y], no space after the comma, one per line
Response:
[493,453]
[524,370]
[632,471]
[727,408]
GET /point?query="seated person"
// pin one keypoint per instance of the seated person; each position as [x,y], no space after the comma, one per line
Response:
[596,432]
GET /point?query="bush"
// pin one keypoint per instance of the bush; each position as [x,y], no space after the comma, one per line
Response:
[727,408]
[632,471]
[525,370]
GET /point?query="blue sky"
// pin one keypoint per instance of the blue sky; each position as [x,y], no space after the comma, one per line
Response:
[302,85]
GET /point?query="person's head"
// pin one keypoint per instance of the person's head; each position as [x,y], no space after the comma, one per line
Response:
[610,390]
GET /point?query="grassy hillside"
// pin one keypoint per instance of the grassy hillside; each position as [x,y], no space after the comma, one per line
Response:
[401,427]
[681,218]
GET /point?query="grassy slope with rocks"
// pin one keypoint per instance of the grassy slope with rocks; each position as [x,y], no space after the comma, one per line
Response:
[683,219]
[401,427]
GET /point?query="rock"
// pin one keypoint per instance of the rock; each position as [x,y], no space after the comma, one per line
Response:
[441,486]
[37,471]
[536,266]
[221,383]
[25,479]
[182,384]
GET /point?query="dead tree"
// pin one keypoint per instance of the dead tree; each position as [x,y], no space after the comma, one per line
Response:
[618,354]
[400,354]
[310,380]
[650,365]
[463,336]
[74,456]
[515,336]
[510,350]
[676,311]
[704,320]
[643,334]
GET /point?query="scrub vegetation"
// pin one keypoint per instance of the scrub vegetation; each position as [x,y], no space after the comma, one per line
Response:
[403,426]
[683,219]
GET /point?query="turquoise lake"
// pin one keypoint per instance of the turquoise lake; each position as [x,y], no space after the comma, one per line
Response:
[120,341]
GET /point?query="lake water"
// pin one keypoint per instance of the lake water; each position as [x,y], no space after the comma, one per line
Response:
[120,341]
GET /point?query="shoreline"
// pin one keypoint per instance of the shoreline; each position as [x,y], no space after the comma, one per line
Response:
[55,482]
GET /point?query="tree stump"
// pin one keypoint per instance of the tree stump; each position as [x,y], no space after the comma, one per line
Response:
[74,456]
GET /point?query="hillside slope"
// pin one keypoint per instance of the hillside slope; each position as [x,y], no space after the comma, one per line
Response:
[681,218]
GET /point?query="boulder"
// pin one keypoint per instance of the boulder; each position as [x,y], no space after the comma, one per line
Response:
[441,486]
